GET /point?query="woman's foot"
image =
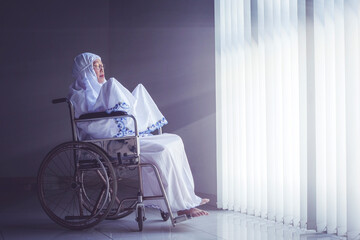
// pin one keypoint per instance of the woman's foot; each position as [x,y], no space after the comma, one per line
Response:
[193,212]
[204,201]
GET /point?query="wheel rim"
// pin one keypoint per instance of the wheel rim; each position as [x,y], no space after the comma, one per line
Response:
[74,185]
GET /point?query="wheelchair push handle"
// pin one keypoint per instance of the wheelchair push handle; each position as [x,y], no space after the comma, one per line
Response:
[59,100]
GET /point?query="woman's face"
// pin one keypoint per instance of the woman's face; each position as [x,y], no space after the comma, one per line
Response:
[99,70]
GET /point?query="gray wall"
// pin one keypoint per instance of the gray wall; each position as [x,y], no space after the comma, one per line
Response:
[166,45]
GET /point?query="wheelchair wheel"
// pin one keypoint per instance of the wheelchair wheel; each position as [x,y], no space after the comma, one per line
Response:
[127,188]
[140,217]
[113,216]
[164,215]
[76,186]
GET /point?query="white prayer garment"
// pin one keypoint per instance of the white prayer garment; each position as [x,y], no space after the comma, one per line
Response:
[165,151]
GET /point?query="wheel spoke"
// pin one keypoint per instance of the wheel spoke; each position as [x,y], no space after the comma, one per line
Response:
[71,198]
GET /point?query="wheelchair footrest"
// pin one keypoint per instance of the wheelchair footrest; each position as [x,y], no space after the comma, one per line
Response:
[181,218]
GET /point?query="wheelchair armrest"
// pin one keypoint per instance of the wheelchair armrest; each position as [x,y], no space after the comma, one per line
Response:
[104,115]
[96,115]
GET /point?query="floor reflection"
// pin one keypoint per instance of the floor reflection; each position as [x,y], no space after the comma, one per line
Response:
[22,218]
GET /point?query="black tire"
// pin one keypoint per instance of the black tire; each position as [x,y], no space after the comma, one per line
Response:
[74,182]
[140,218]
[165,216]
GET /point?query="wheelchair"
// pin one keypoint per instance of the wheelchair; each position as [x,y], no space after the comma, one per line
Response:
[79,181]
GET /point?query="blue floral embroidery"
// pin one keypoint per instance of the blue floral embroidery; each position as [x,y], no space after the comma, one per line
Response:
[155,126]
[121,106]
[123,129]
[121,122]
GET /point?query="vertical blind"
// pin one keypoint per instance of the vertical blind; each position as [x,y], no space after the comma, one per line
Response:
[288,111]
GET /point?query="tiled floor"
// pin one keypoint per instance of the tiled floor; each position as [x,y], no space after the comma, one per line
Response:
[22,218]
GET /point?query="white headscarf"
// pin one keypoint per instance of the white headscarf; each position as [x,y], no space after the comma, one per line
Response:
[85,89]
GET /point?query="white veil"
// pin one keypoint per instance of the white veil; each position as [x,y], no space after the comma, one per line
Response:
[86,88]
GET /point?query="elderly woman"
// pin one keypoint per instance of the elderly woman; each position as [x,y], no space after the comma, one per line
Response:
[90,92]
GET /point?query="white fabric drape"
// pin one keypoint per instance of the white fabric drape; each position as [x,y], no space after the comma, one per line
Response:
[288,111]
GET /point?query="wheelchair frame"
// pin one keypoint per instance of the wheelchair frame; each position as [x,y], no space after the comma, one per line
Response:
[88,178]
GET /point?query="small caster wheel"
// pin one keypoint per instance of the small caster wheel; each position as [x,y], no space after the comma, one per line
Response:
[165,216]
[140,218]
